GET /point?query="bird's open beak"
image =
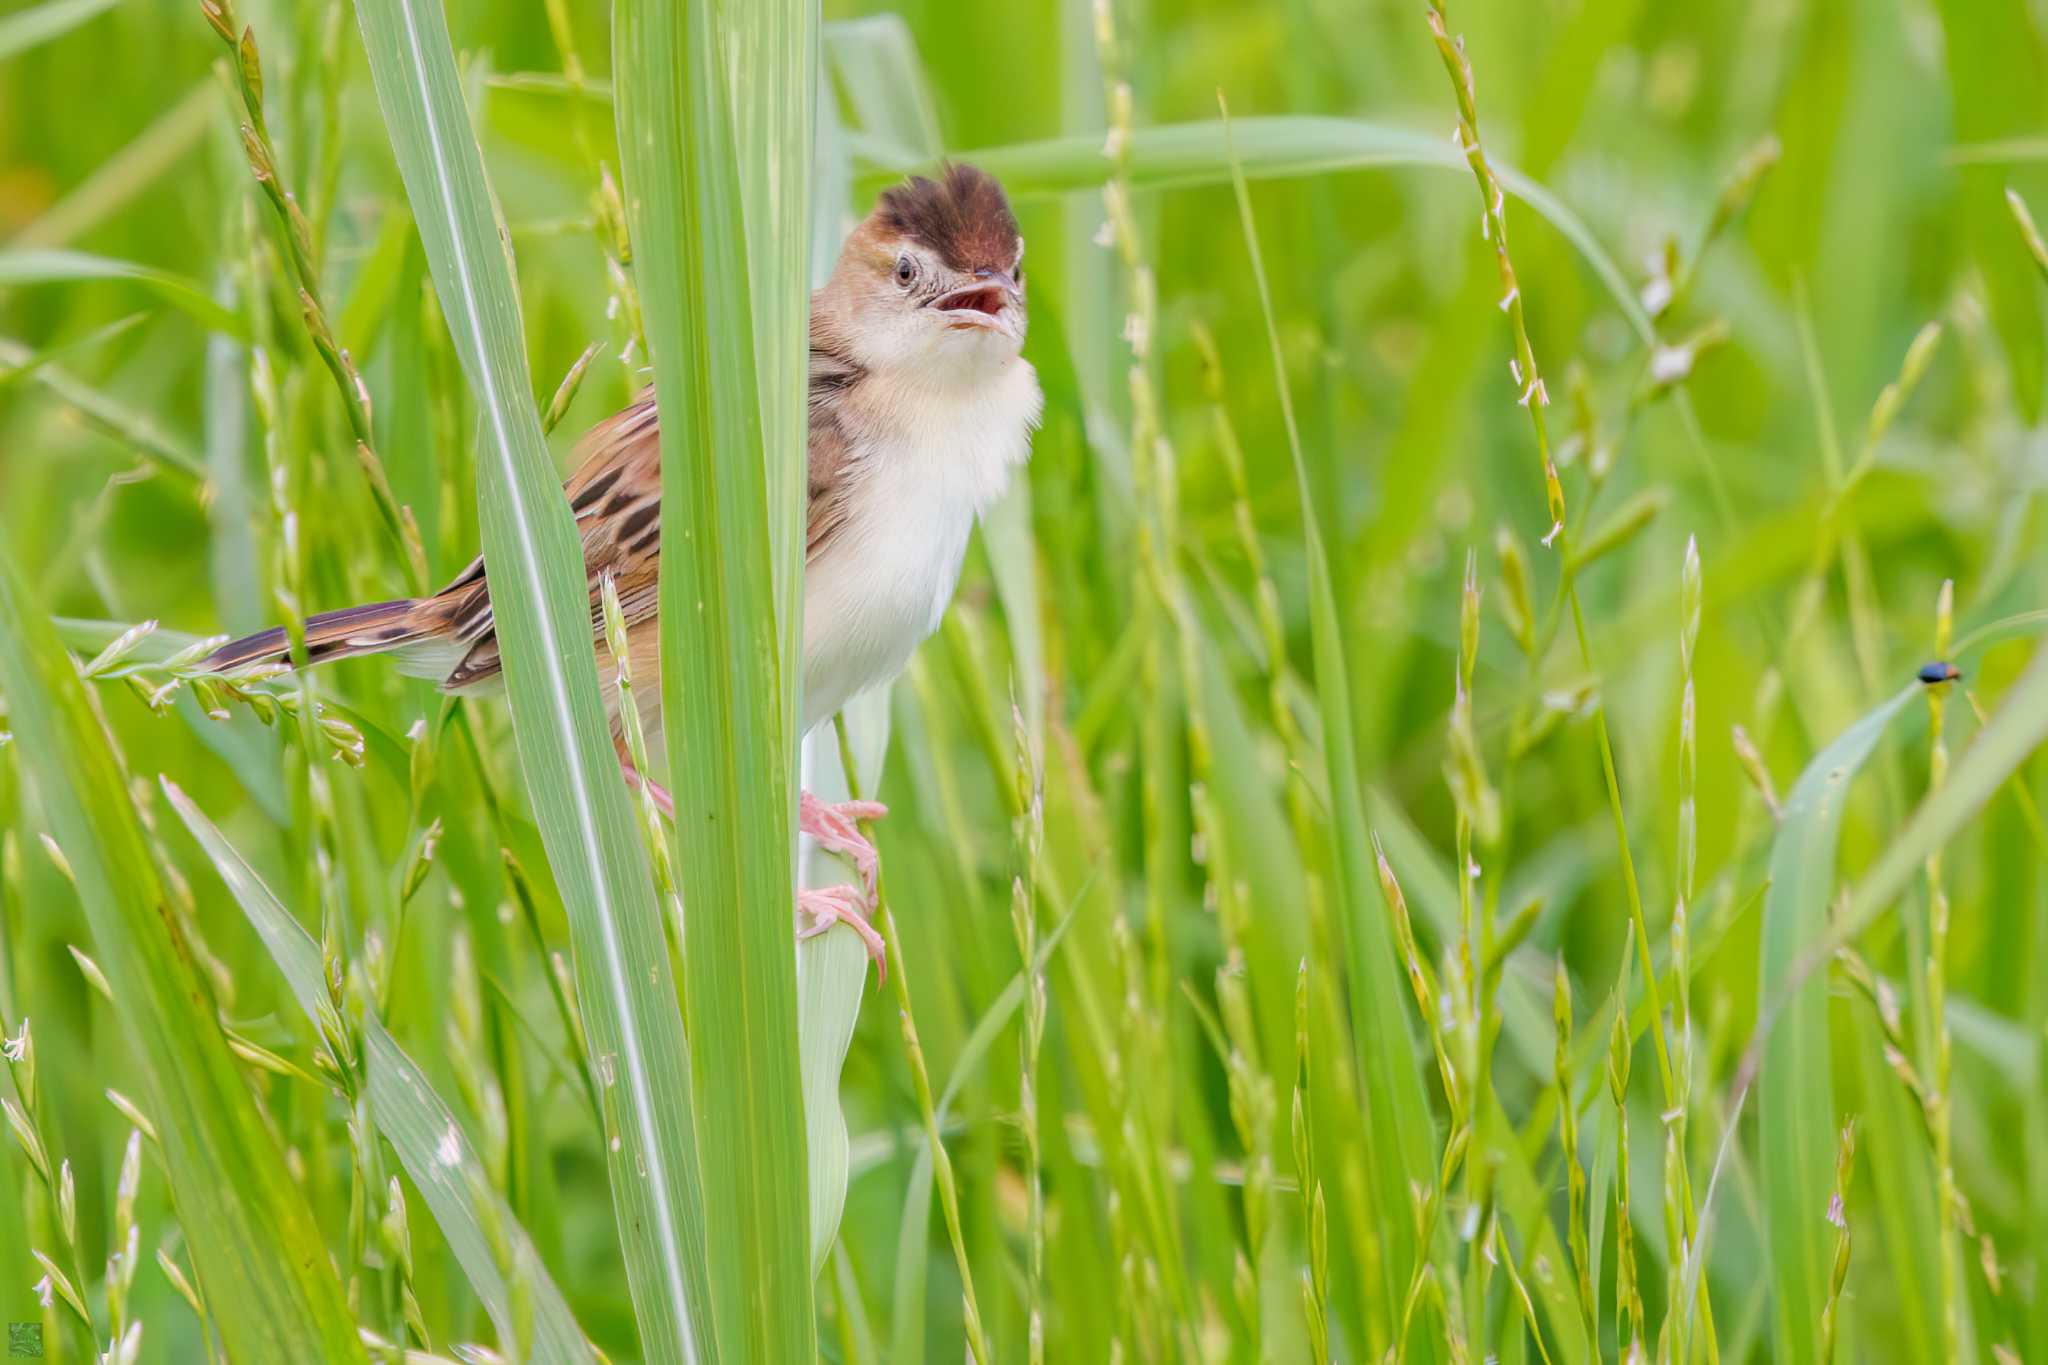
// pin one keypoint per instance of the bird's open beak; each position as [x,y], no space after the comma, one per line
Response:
[991,301]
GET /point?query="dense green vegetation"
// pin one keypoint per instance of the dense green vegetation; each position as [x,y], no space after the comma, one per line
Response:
[1421,836]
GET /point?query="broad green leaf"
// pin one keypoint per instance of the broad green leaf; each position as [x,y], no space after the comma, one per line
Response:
[720,263]
[1795,1101]
[51,266]
[260,1257]
[625,982]
[832,969]
[421,1128]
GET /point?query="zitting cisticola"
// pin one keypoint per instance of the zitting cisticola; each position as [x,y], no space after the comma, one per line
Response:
[920,406]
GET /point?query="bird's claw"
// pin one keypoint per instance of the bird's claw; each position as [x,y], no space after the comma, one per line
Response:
[836,827]
[825,906]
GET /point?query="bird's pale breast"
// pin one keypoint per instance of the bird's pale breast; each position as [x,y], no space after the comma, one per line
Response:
[929,464]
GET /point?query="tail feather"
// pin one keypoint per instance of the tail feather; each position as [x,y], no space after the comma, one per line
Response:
[371,629]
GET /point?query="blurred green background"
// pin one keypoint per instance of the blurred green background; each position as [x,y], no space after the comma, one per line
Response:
[1870,145]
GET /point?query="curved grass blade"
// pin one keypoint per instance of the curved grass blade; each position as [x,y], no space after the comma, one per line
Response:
[1400,1143]
[912,1261]
[14,372]
[624,978]
[2016,730]
[52,266]
[262,1263]
[109,413]
[875,58]
[831,972]
[1189,155]
[430,1144]
[26,28]
[1795,1101]
[2019,727]
[722,287]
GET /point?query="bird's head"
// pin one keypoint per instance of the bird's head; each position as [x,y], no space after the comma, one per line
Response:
[934,276]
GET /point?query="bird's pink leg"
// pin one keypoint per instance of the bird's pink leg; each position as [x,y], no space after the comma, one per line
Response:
[836,827]
[825,906]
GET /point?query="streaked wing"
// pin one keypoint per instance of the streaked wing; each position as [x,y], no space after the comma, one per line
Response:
[616,496]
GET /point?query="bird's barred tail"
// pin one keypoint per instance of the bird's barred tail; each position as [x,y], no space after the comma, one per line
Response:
[371,629]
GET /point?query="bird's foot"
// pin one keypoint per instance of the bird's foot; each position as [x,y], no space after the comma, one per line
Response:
[836,827]
[824,906]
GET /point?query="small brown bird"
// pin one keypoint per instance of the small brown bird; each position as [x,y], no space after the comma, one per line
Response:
[920,407]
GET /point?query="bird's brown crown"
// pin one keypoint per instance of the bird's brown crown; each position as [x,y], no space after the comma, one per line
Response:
[964,216]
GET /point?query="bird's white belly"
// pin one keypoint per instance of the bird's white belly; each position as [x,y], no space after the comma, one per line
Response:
[881,587]
[939,449]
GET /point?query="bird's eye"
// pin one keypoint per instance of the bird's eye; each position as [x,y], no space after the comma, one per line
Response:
[1018,275]
[906,270]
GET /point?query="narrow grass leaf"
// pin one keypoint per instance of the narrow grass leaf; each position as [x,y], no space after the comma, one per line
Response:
[1399,1140]
[1795,1101]
[123,422]
[52,266]
[624,980]
[875,59]
[259,1254]
[26,28]
[419,1125]
[1190,155]
[2015,731]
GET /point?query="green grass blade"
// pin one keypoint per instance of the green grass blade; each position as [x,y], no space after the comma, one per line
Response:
[26,28]
[624,980]
[875,58]
[2016,730]
[125,423]
[1399,1140]
[1795,1099]
[51,266]
[420,1127]
[1190,155]
[234,562]
[730,478]
[262,1263]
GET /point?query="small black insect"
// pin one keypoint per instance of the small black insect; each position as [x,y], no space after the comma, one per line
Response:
[1938,672]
